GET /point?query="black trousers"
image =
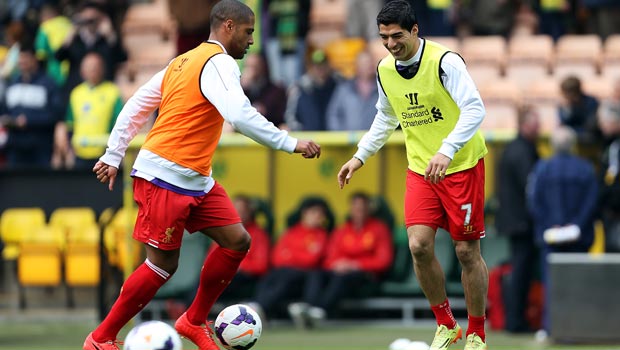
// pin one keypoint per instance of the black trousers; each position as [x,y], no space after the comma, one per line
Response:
[326,288]
[524,259]
[280,286]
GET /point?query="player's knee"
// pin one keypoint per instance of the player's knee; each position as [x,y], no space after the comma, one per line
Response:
[241,241]
[466,253]
[165,260]
[420,250]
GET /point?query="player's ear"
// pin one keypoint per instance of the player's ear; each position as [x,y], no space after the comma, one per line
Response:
[229,24]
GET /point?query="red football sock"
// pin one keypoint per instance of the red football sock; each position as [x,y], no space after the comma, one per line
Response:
[476,325]
[443,314]
[219,268]
[136,292]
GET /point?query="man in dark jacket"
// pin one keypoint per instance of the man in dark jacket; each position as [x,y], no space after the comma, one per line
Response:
[563,199]
[609,179]
[30,112]
[513,218]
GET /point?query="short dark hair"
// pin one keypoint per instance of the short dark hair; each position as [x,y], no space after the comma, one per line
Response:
[571,85]
[230,9]
[27,46]
[360,195]
[398,12]
[92,5]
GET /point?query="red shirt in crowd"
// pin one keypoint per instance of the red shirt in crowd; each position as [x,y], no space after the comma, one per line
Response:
[370,249]
[300,247]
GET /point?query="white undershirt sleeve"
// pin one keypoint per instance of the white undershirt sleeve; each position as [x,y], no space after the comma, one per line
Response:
[464,92]
[220,84]
[131,119]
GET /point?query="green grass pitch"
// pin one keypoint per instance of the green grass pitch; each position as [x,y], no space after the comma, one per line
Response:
[70,335]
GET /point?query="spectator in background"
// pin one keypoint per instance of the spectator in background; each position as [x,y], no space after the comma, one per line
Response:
[52,32]
[603,17]
[307,102]
[359,14]
[93,108]
[287,28]
[609,122]
[513,219]
[490,17]
[578,111]
[296,255]
[359,252]
[352,106]
[256,262]
[192,20]
[562,198]
[114,9]
[554,18]
[93,32]
[267,97]
[30,112]
[441,18]
[14,35]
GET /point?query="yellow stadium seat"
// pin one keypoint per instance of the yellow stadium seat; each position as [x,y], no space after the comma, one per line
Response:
[39,262]
[17,224]
[73,220]
[82,264]
[106,216]
[115,239]
[342,54]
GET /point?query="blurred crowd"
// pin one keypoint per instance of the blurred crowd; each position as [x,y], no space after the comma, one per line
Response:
[305,271]
[59,63]
[60,59]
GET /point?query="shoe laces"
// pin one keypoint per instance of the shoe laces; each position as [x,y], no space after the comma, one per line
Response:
[209,329]
[115,342]
[441,330]
[474,339]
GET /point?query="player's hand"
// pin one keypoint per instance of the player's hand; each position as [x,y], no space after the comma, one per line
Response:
[347,170]
[308,148]
[436,170]
[105,173]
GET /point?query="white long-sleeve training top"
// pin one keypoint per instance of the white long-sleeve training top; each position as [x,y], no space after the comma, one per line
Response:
[220,84]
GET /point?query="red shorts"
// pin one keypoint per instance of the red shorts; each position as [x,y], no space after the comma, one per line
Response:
[456,204]
[163,214]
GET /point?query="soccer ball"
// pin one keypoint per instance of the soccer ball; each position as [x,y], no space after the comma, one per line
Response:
[238,327]
[152,335]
